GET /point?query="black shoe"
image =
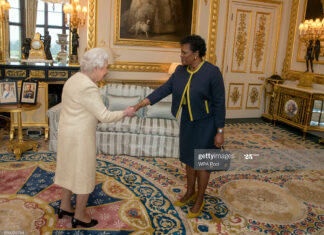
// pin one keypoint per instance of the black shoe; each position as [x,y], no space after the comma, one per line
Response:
[76,222]
[61,212]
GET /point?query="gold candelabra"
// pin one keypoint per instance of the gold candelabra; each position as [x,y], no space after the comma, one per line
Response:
[76,13]
[311,30]
[4,8]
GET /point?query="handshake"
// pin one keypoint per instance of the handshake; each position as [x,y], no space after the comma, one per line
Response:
[130,110]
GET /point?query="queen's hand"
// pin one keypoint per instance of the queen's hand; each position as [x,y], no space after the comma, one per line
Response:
[129,111]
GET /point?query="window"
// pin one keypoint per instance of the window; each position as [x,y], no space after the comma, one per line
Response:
[50,17]
[16,28]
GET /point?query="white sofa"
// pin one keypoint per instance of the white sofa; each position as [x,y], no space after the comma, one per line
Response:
[153,132]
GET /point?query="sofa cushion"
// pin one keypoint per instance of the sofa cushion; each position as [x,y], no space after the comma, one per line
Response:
[127,124]
[159,126]
[121,102]
[160,110]
[122,90]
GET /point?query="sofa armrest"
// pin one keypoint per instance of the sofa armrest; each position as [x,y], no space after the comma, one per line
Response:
[53,115]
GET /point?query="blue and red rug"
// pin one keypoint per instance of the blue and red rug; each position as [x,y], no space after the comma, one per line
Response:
[134,196]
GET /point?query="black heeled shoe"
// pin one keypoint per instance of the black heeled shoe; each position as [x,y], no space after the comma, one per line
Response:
[61,212]
[76,222]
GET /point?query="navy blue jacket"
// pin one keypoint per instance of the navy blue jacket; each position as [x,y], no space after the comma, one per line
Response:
[205,88]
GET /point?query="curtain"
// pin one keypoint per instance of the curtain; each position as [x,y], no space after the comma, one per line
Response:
[31,14]
[6,37]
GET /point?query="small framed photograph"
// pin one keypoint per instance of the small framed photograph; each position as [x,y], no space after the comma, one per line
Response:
[28,93]
[8,92]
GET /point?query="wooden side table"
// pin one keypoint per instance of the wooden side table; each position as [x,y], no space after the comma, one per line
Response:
[20,146]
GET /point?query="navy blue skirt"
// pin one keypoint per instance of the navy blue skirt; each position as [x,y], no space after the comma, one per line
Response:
[195,135]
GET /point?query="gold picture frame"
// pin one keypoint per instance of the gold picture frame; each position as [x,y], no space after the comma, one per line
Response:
[149,29]
[235,96]
[253,97]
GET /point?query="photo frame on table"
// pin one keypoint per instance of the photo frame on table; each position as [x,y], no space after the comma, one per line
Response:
[158,23]
[28,92]
[8,92]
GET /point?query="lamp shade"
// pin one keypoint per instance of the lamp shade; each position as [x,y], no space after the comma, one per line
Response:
[173,67]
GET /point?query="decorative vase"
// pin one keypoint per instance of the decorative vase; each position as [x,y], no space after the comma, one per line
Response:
[62,55]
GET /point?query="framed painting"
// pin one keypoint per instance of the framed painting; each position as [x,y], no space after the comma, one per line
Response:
[235,96]
[28,92]
[8,92]
[160,23]
[254,94]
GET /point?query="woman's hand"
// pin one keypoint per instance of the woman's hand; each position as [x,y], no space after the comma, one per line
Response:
[141,104]
[129,111]
[219,140]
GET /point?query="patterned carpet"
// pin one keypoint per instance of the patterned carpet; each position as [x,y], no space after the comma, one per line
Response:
[135,195]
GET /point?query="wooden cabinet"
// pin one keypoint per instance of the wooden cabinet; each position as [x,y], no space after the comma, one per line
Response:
[299,107]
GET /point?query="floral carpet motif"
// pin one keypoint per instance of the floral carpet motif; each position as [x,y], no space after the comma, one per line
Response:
[282,195]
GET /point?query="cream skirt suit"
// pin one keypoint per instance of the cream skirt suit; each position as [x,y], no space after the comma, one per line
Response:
[82,107]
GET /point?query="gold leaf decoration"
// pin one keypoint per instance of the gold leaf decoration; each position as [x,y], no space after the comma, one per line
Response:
[235,95]
[241,40]
[260,41]
[254,95]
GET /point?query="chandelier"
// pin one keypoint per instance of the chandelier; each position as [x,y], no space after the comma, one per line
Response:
[311,30]
[4,7]
[77,14]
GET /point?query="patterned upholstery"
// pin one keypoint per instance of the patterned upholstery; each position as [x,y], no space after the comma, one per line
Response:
[131,125]
[159,126]
[137,136]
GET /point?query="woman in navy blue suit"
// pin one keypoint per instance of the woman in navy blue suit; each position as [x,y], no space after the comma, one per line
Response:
[197,88]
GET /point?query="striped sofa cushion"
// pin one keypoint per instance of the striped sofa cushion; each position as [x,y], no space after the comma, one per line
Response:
[122,90]
[159,126]
[127,124]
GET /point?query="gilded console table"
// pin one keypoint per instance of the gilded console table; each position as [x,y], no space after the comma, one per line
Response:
[299,107]
[47,74]
[20,146]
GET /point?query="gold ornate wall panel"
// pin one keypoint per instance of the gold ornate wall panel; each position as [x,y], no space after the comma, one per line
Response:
[241,43]
[260,42]
[254,94]
[92,24]
[287,72]
[235,96]
[139,67]
[212,32]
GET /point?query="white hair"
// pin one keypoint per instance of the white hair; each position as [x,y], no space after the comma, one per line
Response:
[92,59]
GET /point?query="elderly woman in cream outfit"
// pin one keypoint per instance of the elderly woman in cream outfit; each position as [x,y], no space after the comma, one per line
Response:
[82,107]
